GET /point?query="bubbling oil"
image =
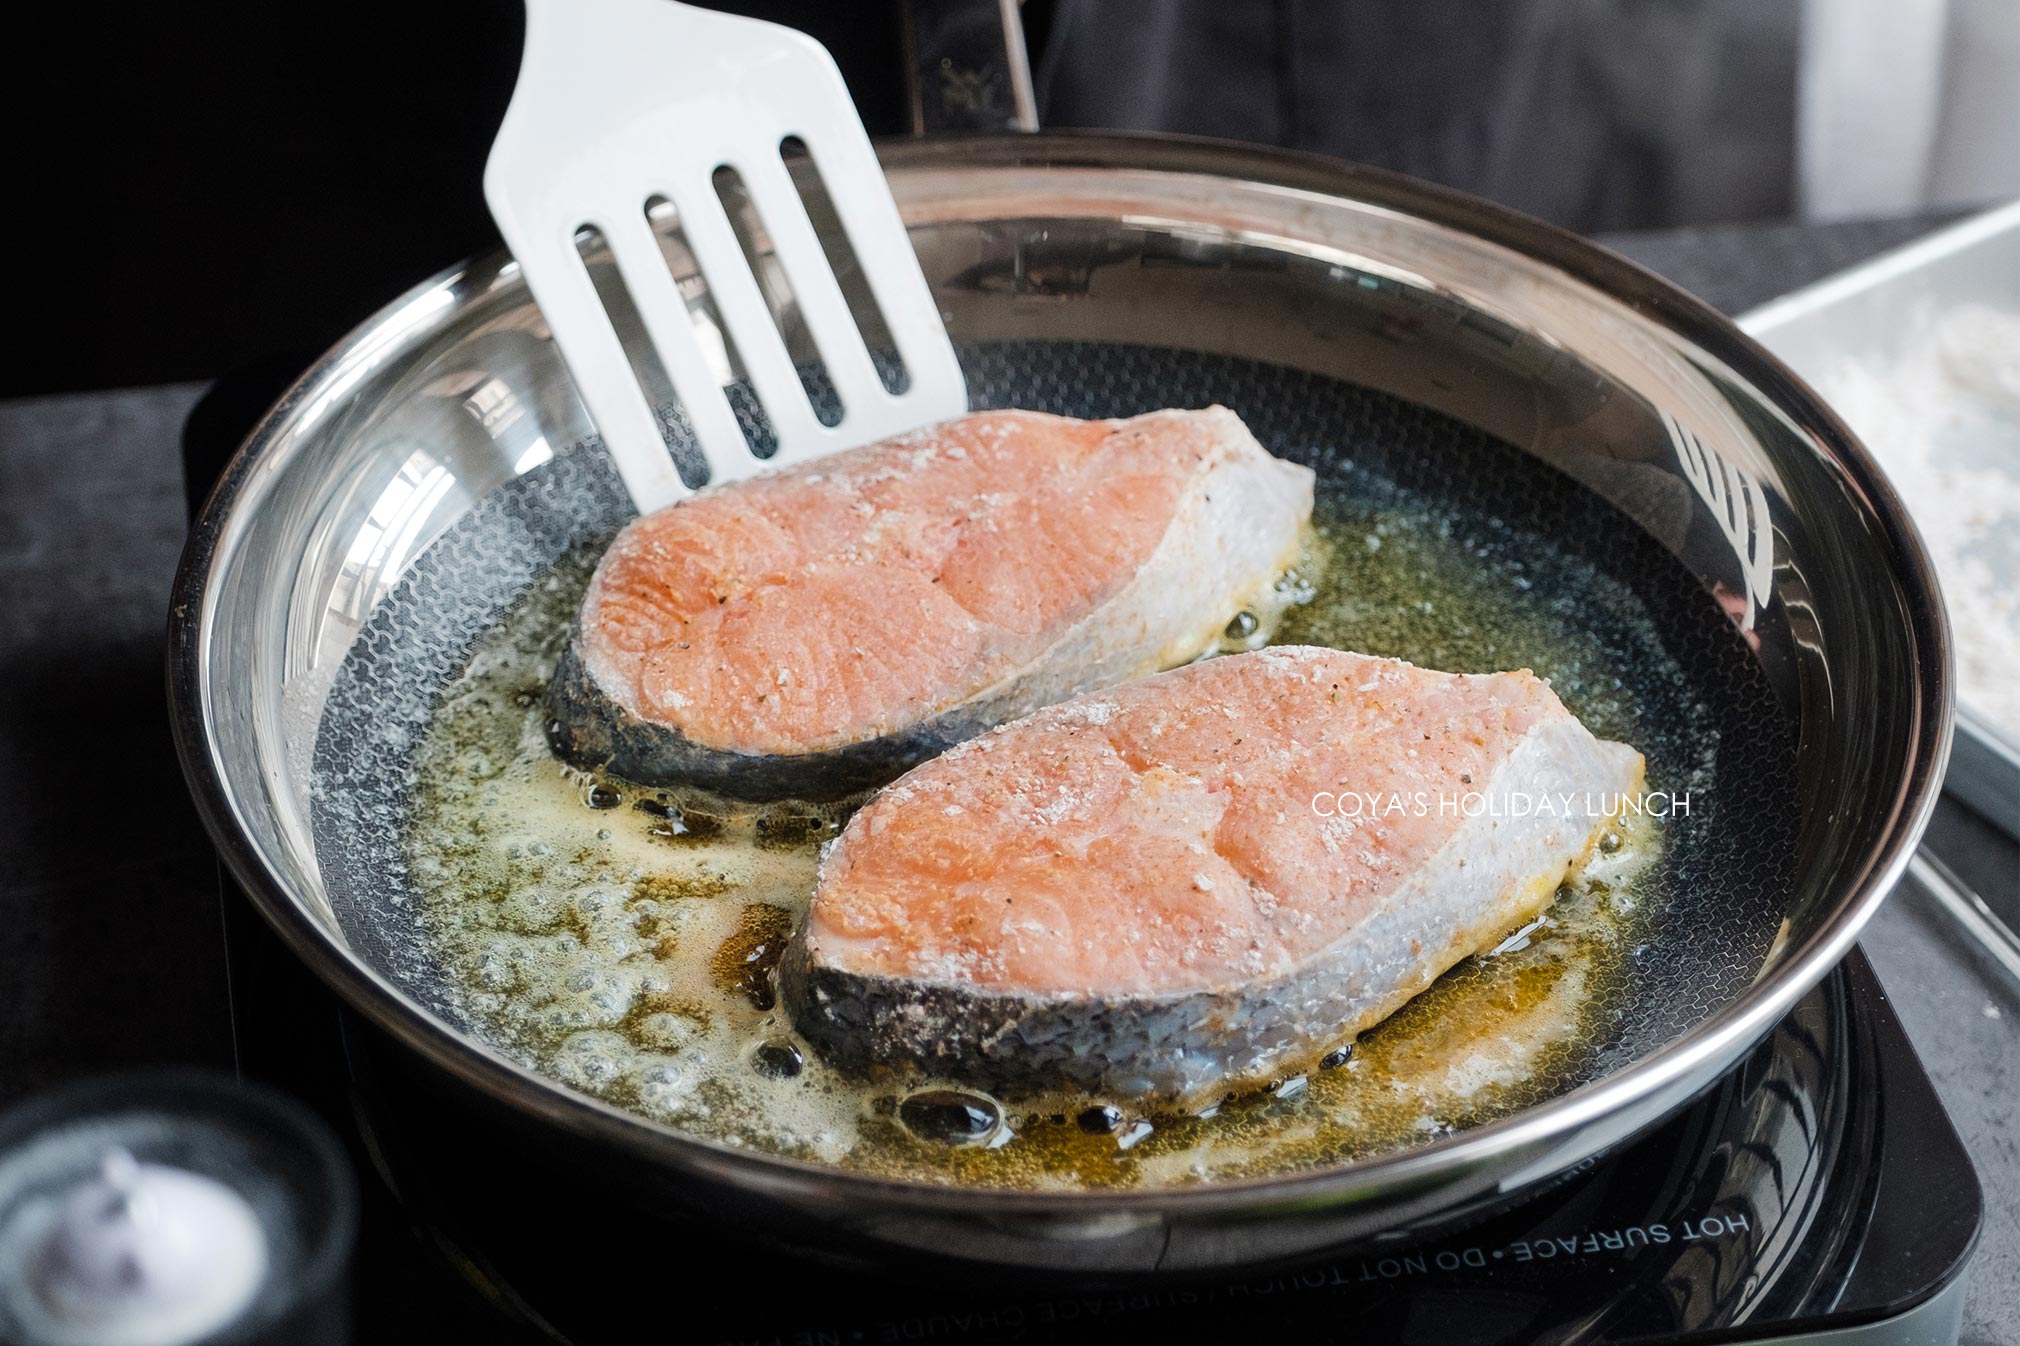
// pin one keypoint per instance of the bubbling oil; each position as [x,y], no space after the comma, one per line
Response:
[623,944]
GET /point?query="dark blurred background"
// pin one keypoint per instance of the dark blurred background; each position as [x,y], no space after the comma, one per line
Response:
[199,186]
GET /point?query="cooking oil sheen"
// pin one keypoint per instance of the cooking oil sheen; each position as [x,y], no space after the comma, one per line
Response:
[623,945]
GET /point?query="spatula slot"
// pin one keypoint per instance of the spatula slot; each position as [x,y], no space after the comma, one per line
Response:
[598,263]
[711,333]
[748,224]
[847,267]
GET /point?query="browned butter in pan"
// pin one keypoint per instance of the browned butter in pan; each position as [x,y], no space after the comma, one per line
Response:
[622,944]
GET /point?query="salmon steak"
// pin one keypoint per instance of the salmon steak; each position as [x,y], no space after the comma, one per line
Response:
[814,632]
[1198,882]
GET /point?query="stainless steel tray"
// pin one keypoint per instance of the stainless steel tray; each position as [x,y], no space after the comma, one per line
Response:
[1866,312]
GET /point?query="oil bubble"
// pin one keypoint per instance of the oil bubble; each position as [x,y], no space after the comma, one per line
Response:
[1100,1120]
[776,1059]
[667,1032]
[952,1117]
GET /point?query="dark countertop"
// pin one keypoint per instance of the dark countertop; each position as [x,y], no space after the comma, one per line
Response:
[112,957]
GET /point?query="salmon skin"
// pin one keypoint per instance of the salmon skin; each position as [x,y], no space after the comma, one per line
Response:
[814,632]
[1198,882]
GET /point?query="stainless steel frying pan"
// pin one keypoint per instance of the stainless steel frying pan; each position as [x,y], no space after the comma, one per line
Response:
[1353,316]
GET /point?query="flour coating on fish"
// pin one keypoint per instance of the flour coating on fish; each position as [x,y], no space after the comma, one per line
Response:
[812,634]
[1133,909]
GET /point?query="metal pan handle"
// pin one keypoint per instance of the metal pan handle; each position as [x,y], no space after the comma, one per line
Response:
[967,67]
[1973,915]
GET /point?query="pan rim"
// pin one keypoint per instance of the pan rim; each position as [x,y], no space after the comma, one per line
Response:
[1633,1097]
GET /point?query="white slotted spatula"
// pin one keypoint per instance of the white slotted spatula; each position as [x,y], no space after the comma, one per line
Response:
[620,102]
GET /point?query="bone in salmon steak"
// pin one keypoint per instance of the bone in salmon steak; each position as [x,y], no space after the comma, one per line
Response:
[814,632]
[1156,892]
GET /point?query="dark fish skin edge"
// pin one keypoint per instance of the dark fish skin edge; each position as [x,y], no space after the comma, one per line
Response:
[1017,1045]
[587,728]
